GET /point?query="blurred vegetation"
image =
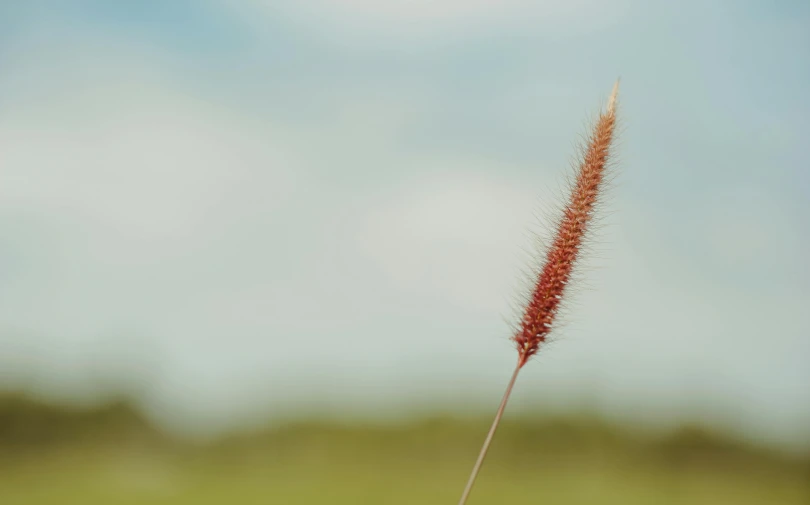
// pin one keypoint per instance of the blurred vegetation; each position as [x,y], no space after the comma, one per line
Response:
[110,455]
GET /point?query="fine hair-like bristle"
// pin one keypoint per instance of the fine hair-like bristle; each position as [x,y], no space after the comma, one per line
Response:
[549,288]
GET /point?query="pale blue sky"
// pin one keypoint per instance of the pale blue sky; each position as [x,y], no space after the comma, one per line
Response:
[251,207]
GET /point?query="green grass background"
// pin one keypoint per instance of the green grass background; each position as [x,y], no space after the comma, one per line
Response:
[109,455]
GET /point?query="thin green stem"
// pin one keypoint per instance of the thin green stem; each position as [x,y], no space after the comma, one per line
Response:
[490,435]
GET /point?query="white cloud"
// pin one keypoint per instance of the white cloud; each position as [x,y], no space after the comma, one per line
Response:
[117,190]
[452,237]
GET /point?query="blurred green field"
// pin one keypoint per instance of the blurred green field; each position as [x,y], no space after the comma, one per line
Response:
[109,456]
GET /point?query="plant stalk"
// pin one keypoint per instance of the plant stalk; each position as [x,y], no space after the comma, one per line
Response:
[491,434]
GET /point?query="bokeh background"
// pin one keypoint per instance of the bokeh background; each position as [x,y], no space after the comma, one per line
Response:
[267,251]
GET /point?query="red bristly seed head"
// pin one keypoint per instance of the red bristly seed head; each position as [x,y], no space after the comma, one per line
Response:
[549,289]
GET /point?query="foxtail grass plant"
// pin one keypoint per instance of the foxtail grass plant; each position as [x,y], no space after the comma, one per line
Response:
[550,285]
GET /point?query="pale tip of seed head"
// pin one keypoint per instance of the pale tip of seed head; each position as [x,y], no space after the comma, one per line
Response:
[611,106]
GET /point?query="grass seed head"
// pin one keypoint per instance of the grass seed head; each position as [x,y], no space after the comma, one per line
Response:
[555,274]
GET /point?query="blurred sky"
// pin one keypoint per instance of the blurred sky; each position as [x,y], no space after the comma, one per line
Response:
[240,208]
